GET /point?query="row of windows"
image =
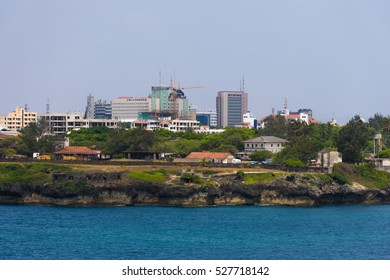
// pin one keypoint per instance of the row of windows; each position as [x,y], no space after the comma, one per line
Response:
[261,145]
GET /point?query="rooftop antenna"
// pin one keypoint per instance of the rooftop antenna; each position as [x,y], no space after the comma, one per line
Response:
[273,110]
[243,83]
[160,77]
[48,107]
[240,85]
[26,107]
[285,103]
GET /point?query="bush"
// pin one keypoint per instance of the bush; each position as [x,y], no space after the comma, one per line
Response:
[191,178]
[260,155]
[294,162]
[240,175]
[341,179]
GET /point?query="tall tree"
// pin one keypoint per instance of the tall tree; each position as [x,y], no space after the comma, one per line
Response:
[352,140]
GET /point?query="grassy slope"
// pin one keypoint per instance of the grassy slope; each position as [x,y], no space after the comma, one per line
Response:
[364,174]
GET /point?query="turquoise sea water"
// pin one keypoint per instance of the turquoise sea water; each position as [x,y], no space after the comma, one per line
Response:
[237,232]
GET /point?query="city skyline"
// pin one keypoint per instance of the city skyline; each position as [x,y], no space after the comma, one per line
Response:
[329,56]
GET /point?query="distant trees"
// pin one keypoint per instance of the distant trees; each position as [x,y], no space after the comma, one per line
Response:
[9,146]
[304,141]
[36,139]
[352,140]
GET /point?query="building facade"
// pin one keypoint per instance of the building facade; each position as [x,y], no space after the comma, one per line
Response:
[160,98]
[207,117]
[264,143]
[102,110]
[61,123]
[128,108]
[231,105]
[18,119]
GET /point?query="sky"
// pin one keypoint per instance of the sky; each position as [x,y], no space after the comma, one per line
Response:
[332,56]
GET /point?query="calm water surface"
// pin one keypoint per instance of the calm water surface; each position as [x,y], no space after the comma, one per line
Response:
[239,232]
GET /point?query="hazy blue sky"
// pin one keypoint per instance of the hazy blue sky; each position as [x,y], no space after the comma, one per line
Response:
[332,56]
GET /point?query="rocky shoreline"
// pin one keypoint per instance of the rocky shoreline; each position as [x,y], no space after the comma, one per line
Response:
[293,190]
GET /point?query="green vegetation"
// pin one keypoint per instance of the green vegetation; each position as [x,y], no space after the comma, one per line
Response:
[364,174]
[192,178]
[72,186]
[384,154]
[149,176]
[260,177]
[260,155]
[34,173]
[352,140]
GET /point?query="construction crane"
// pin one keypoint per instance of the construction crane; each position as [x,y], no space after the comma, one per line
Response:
[175,91]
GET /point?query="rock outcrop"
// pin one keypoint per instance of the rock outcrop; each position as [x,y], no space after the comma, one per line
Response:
[289,190]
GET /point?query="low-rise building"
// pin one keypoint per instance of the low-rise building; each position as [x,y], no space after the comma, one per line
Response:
[214,157]
[380,163]
[77,153]
[61,123]
[264,143]
[328,158]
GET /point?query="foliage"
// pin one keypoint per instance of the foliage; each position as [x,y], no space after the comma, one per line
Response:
[90,137]
[35,173]
[240,175]
[364,174]
[384,154]
[293,162]
[36,139]
[352,140]
[72,186]
[260,155]
[133,140]
[192,178]
[231,140]
[275,126]
[341,178]
[9,146]
[381,124]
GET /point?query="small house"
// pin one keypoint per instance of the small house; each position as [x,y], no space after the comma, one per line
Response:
[214,157]
[76,153]
[264,143]
[327,158]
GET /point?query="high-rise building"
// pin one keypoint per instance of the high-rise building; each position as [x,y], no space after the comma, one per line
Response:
[160,98]
[102,109]
[18,119]
[231,105]
[128,108]
[89,110]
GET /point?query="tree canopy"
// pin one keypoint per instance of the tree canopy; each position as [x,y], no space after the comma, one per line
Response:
[352,140]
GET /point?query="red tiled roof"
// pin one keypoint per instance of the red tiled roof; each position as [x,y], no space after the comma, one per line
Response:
[293,116]
[77,150]
[208,155]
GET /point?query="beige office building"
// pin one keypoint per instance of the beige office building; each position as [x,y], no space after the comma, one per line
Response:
[128,108]
[18,119]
